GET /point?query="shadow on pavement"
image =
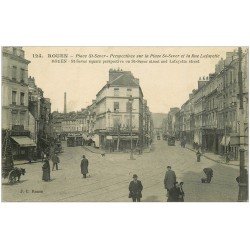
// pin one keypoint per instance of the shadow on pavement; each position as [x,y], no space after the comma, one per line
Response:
[12,184]
[152,198]
[223,187]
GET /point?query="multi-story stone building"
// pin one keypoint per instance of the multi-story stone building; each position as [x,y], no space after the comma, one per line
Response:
[172,123]
[40,113]
[14,88]
[74,122]
[15,99]
[107,120]
[147,131]
[113,111]
[184,120]
[211,115]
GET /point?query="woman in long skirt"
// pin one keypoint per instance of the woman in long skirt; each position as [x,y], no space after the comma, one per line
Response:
[46,170]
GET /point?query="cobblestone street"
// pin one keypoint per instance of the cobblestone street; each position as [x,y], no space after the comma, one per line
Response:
[110,176]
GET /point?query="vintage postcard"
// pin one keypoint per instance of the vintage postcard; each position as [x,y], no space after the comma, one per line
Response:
[125,124]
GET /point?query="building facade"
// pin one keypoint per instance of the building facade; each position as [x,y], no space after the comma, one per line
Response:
[210,117]
[40,114]
[114,115]
[107,121]
[15,101]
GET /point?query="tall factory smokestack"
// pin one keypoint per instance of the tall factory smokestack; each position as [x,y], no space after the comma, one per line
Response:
[65,103]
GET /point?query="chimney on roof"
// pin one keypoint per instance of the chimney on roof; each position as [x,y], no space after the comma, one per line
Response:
[65,103]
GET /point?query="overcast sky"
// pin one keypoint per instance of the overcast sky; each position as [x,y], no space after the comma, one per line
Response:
[163,85]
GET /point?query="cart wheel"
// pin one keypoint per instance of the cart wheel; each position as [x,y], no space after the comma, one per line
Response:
[12,177]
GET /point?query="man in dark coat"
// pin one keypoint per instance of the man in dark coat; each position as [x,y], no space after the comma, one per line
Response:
[55,159]
[170,179]
[135,189]
[198,155]
[84,166]
[46,170]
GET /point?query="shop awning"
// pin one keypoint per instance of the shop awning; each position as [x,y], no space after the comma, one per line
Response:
[225,141]
[24,141]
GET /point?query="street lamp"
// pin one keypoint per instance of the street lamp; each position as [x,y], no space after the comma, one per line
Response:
[131,99]
[243,178]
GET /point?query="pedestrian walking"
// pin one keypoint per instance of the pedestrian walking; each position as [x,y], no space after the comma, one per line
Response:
[169,180]
[46,170]
[84,166]
[135,189]
[174,193]
[198,156]
[181,192]
[55,160]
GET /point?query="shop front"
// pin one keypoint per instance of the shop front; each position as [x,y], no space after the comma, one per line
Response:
[23,147]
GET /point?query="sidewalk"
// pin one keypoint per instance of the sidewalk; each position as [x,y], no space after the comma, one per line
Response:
[99,151]
[216,158]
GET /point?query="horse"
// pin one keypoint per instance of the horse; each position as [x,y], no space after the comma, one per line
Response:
[15,174]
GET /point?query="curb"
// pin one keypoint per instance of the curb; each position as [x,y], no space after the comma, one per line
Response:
[24,163]
[209,158]
[92,151]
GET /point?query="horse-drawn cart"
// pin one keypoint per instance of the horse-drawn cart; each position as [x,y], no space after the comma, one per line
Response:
[8,172]
[12,173]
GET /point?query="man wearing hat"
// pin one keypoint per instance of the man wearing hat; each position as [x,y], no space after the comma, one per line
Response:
[84,166]
[135,188]
[170,179]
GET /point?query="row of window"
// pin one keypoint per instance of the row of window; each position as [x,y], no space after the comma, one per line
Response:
[117,106]
[116,122]
[73,128]
[82,121]
[117,92]
[211,104]
[14,98]
[19,119]
[14,72]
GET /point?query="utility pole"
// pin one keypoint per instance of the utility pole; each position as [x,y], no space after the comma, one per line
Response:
[243,178]
[224,107]
[131,128]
